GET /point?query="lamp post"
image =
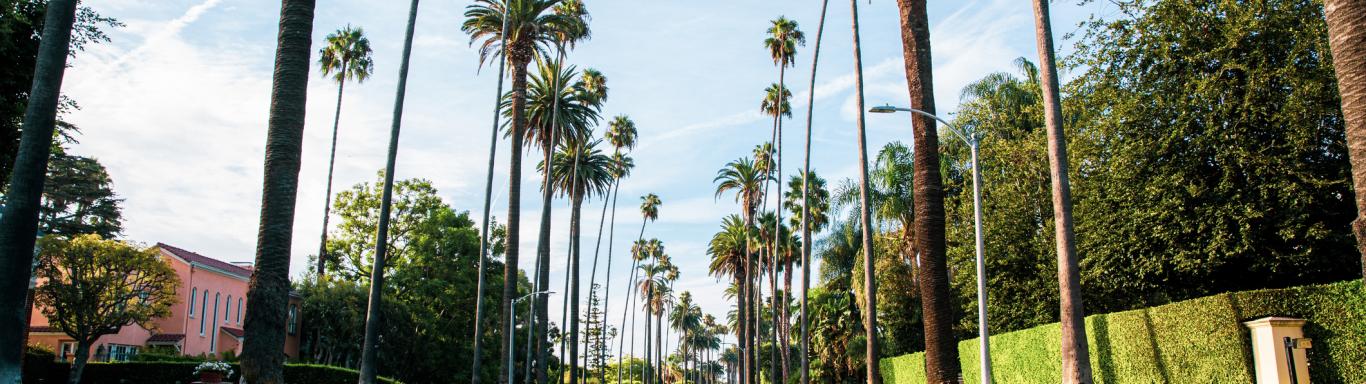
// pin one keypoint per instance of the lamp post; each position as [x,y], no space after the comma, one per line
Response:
[972,142]
[512,341]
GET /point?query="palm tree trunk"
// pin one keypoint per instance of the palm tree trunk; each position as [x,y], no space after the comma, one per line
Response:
[659,352]
[806,202]
[476,377]
[19,223]
[514,224]
[268,294]
[649,358]
[543,242]
[630,302]
[941,352]
[592,280]
[369,353]
[779,327]
[1347,40]
[1076,360]
[869,283]
[773,365]
[607,280]
[574,218]
[331,165]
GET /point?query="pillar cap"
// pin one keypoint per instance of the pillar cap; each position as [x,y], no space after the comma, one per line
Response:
[1275,321]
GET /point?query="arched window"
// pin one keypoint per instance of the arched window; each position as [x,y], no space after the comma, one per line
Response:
[293,324]
[203,306]
[239,311]
[227,309]
[193,293]
[213,333]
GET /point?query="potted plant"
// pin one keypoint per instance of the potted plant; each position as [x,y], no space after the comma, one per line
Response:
[213,371]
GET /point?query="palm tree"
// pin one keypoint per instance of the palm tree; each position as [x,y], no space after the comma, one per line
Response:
[345,57]
[19,223]
[532,27]
[747,181]
[941,352]
[782,41]
[649,211]
[729,250]
[805,223]
[869,284]
[1076,360]
[621,133]
[891,192]
[1347,40]
[475,372]
[580,171]
[370,349]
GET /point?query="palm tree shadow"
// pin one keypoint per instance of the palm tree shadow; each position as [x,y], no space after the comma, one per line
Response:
[1104,352]
[1158,362]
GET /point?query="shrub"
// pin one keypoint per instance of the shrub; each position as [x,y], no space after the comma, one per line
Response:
[179,373]
[1195,341]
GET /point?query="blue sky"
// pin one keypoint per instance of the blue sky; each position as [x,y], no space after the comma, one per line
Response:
[176,108]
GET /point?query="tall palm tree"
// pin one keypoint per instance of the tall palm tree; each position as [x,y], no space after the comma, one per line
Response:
[621,134]
[19,223]
[646,287]
[579,170]
[1347,41]
[1076,360]
[729,258]
[869,283]
[345,57]
[892,195]
[783,38]
[370,348]
[649,211]
[475,371]
[805,223]
[747,181]
[532,27]
[941,352]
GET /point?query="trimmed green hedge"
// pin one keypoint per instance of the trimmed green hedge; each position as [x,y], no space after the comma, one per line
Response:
[178,373]
[1195,341]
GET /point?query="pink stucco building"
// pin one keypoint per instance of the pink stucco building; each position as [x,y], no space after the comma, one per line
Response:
[206,319]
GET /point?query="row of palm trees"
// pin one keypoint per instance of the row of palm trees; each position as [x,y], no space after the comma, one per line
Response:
[522,30]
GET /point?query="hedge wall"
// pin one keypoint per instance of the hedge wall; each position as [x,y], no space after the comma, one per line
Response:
[177,373]
[1195,341]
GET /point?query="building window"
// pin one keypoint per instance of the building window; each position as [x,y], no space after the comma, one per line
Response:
[203,306]
[68,351]
[213,337]
[239,311]
[293,324]
[120,352]
[227,309]
[193,293]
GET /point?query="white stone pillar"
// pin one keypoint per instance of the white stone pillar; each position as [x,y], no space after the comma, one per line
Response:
[1268,350]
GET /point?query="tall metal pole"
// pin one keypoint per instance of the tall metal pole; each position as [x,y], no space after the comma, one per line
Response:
[984,353]
[983,336]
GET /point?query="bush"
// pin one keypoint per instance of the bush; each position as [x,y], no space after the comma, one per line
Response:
[179,373]
[1194,341]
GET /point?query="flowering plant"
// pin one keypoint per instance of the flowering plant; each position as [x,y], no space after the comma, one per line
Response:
[214,366]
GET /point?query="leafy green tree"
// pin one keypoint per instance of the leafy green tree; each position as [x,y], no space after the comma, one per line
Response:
[435,263]
[836,337]
[346,56]
[19,219]
[78,198]
[93,287]
[21,30]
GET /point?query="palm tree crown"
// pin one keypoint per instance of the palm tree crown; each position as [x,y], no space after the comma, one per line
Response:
[578,108]
[584,168]
[775,102]
[621,132]
[649,206]
[346,56]
[745,179]
[533,27]
[783,39]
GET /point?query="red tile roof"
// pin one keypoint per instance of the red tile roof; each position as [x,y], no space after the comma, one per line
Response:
[166,338]
[43,329]
[209,261]
[235,332]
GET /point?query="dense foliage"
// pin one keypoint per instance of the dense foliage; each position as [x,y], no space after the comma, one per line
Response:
[1195,341]
[427,326]
[1207,147]
[45,371]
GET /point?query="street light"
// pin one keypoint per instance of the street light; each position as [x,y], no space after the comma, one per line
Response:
[972,142]
[512,341]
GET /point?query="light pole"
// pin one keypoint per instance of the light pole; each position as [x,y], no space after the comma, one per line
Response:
[972,141]
[512,341]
